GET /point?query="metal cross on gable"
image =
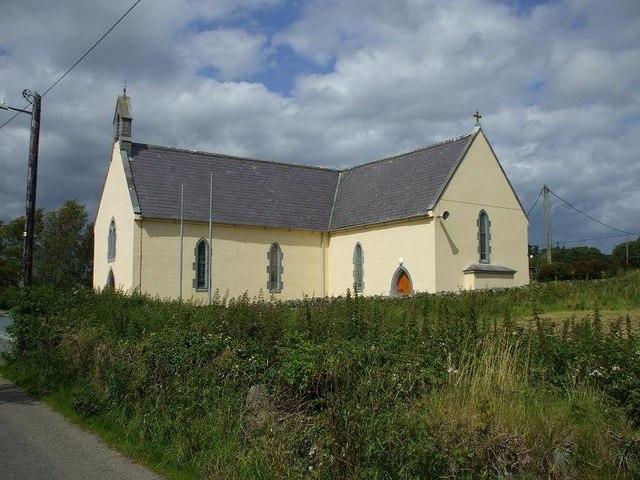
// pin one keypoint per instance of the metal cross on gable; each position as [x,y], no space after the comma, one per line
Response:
[477,116]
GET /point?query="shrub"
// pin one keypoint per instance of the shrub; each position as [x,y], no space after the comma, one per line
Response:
[465,385]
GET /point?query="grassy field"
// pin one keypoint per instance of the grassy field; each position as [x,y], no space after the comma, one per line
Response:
[537,382]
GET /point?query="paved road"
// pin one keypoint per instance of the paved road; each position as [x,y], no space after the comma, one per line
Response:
[38,443]
[5,321]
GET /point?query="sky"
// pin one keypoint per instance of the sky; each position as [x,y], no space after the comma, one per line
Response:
[336,83]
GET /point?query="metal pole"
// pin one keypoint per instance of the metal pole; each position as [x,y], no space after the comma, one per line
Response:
[32,178]
[210,238]
[181,237]
[546,201]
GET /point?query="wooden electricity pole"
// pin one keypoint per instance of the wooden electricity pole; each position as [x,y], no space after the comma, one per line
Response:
[35,100]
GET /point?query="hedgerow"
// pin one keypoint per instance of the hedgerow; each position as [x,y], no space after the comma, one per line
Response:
[464,385]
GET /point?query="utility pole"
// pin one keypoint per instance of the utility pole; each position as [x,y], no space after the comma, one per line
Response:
[35,100]
[546,202]
[626,248]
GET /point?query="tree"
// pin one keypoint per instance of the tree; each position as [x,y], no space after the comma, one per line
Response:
[63,259]
[11,241]
[63,247]
[572,264]
[619,253]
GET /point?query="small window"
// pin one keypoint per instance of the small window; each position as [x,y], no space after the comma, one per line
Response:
[202,265]
[111,242]
[484,237]
[358,269]
[275,269]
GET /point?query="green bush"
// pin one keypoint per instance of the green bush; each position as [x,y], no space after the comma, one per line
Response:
[460,385]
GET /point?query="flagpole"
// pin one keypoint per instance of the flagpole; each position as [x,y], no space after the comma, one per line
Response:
[210,237]
[181,237]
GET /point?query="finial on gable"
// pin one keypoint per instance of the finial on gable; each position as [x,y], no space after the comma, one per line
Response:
[477,116]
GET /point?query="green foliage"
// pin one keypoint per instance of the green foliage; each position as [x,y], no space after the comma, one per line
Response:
[620,253]
[63,248]
[465,385]
[572,264]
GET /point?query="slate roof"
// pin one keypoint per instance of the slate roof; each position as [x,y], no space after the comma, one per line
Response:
[245,191]
[403,186]
[271,194]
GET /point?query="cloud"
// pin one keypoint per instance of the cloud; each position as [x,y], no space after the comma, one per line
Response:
[558,85]
[234,53]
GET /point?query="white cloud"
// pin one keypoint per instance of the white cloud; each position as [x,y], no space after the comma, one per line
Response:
[233,52]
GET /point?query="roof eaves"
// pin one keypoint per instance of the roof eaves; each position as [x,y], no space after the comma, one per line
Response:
[228,223]
[382,222]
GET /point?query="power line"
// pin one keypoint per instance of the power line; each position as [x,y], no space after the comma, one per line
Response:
[589,216]
[10,119]
[535,203]
[594,238]
[52,86]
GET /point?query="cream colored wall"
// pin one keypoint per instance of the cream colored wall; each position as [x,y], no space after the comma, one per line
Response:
[479,184]
[383,246]
[115,203]
[239,260]
[435,253]
[487,280]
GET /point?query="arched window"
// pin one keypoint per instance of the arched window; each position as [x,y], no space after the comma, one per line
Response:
[111,242]
[202,265]
[484,237]
[275,269]
[111,281]
[358,269]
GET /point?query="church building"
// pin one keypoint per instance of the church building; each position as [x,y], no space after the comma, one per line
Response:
[177,223]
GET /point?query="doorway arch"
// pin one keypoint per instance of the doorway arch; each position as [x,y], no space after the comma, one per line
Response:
[402,284]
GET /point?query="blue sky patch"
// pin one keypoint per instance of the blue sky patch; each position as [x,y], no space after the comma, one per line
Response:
[265,21]
[283,68]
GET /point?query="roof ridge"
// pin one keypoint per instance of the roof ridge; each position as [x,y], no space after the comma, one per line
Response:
[238,157]
[414,150]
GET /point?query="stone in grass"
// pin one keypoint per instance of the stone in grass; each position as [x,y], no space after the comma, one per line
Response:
[257,408]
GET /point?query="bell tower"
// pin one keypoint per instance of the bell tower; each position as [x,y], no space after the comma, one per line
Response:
[122,120]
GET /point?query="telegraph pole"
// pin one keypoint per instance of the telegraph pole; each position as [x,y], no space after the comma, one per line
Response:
[35,100]
[626,251]
[546,202]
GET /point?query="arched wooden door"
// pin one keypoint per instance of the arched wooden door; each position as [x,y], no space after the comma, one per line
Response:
[403,284]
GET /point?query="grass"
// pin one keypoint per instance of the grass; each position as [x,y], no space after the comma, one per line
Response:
[467,385]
